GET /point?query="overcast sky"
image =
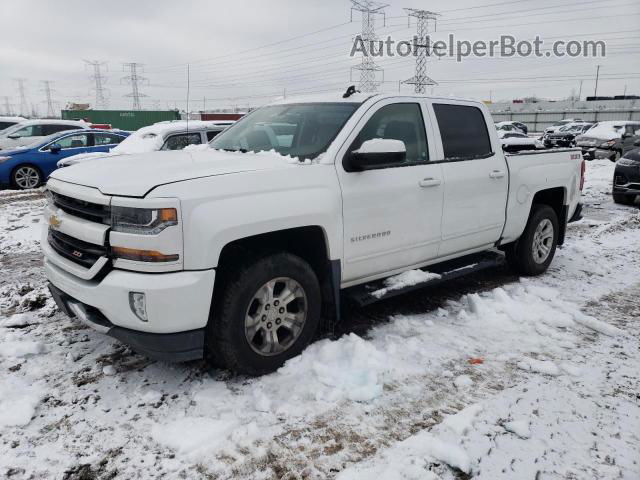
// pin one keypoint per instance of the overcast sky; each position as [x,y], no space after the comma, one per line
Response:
[233,62]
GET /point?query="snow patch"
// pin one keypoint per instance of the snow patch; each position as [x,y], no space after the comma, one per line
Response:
[405,279]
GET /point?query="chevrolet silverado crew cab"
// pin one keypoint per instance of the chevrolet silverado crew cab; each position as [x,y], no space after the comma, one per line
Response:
[243,252]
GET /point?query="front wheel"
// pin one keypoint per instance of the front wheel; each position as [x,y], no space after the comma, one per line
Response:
[25,177]
[268,312]
[533,252]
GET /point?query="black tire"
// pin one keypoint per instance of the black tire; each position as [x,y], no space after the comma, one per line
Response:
[624,199]
[227,342]
[19,178]
[615,156]
[520,255]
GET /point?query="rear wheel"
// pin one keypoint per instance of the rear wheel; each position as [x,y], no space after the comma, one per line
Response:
[25,177]
[624,199]
[534,251]
[268,312]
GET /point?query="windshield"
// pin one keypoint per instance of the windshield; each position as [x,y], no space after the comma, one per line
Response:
[303,130]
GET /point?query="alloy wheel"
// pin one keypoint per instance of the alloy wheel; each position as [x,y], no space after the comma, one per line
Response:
[276,316]
[542,241]
[27,177]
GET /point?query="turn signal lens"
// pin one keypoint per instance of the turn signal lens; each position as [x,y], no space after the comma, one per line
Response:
[142,255]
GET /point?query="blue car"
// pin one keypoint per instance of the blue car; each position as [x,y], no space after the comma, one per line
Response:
[30,166]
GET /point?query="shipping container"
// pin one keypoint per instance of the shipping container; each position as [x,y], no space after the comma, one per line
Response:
[123,119]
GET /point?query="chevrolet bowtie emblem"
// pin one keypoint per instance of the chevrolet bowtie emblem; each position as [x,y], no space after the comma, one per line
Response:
[54,221]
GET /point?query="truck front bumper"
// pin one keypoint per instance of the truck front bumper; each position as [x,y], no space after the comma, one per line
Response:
[177,306]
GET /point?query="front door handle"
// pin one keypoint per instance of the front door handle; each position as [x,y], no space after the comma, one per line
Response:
[497,174]
[430,182]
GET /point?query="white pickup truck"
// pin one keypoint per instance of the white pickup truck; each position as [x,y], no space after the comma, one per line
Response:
[242,253]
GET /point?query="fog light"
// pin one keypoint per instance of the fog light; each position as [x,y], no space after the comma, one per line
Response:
[138,304]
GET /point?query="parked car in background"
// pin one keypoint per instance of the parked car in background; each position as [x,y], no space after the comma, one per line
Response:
[30,166]
[626,177]
[6,122]
[561,123]
[610,139]
[518,141]
[159,136]
[566,136]
[30,131]
[511,125]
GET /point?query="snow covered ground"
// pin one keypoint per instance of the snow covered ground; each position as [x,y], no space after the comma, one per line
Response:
[505,379]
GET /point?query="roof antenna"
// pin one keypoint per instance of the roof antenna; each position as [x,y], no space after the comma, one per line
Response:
[350,91]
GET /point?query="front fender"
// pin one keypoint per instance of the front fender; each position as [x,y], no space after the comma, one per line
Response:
[219,210]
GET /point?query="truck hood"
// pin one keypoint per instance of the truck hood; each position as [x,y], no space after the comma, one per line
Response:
[136,175]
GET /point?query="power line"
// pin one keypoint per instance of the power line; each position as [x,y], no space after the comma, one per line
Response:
[99,81]
[134,79]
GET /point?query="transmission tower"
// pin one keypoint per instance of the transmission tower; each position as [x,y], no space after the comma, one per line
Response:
[134,80]
[7,106]
[46,88]
[99,81]
[24,105]
[368,68]
[421,80]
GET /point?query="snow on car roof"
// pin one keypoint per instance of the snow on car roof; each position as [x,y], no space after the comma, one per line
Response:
[151,138]
[609,129]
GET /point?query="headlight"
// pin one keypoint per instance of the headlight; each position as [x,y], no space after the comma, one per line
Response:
[142,221]
[608,144]
[4,159]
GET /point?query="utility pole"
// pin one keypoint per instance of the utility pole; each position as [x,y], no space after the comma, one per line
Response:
[420,80]
[134,79]
[99,80]
[595,93]
[46,84]
[24,105]
[580,91]
[368,68]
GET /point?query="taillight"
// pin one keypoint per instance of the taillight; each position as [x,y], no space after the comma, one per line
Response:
[583,167]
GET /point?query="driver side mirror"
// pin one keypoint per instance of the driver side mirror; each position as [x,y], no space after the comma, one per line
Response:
[13,136]
[636,143]
[55,148]
[377,153]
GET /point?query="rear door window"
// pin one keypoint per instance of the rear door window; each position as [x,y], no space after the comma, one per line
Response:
[55,128]
[211,134]
[106,139]
[181,140]
[463,130]
[30,131]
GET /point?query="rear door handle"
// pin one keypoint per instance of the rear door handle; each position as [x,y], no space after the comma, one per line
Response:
[430,182]
[497,174]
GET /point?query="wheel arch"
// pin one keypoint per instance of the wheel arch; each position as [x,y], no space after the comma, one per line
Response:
[307,242]
[556,198]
